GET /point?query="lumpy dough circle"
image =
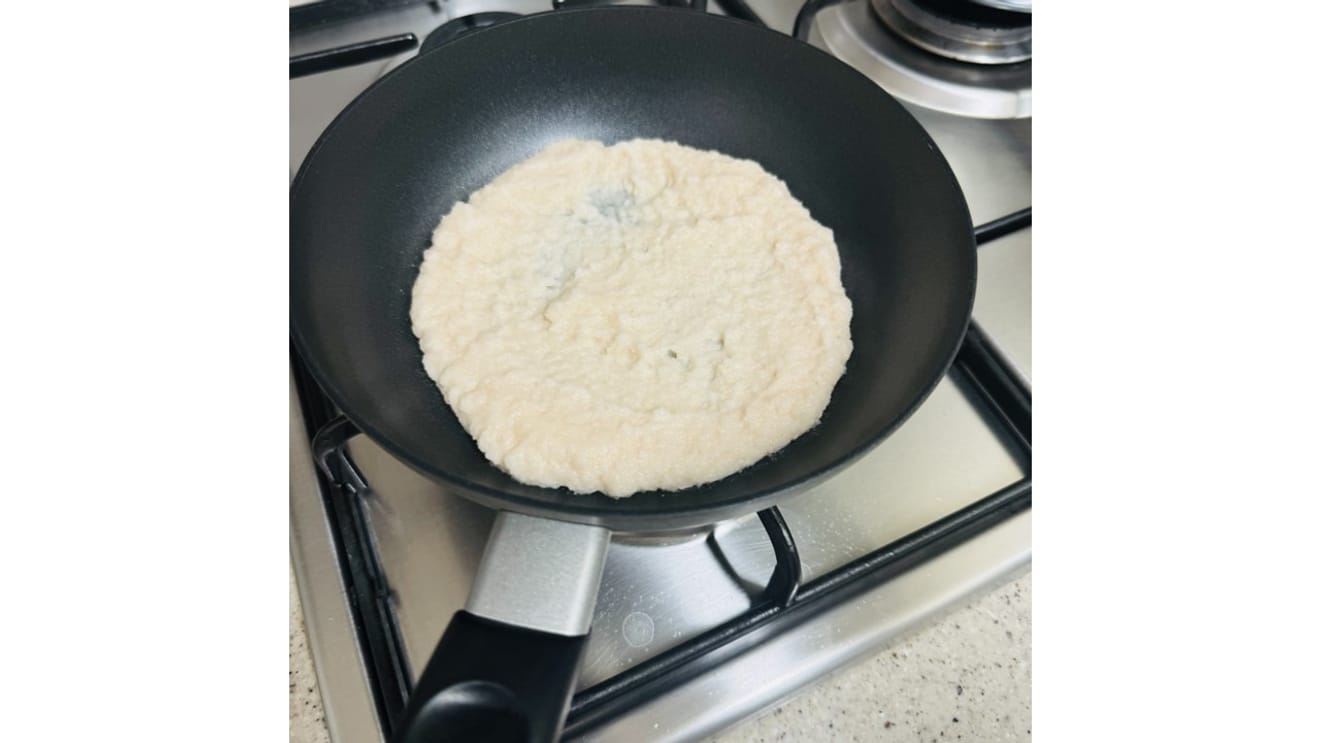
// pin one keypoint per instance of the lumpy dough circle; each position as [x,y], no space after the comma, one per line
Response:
[641,316]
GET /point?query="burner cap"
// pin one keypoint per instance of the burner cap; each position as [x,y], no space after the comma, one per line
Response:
[452,29]
[959,29]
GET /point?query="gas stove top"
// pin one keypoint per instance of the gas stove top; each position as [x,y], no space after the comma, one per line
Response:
[697,630]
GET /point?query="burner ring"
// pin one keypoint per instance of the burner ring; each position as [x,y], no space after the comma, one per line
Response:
[851,32]
[959,31]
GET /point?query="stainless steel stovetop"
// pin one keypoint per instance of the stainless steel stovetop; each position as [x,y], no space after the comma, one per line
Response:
[661,591]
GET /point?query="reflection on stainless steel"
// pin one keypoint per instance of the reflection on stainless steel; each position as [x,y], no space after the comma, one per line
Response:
[992,160]
[745,552]
[914,478]
[540,574]
[350,713]
[852,33]
[770,670]
[1003,297]
[429,540]
[677,536]
[653,598]
[967,42]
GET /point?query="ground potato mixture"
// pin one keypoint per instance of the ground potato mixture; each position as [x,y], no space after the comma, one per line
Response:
[641,316]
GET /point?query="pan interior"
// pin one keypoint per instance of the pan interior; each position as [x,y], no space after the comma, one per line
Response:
[443,125]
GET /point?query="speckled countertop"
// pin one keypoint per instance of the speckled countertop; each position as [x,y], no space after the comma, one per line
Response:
[966,677]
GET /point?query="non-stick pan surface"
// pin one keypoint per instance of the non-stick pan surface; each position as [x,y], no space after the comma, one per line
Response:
[444,124]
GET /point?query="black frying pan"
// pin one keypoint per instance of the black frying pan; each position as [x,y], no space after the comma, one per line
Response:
[444,124]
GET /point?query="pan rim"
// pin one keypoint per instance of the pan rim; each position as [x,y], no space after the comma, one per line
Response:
[652,514]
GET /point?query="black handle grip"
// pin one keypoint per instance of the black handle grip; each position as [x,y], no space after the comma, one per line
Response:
[494,683]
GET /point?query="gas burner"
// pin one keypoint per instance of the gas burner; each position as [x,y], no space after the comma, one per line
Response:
[853,32]
[959,29]
[450,30]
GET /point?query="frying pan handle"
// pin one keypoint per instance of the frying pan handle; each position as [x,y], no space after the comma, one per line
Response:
[506,667]
[490,681]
